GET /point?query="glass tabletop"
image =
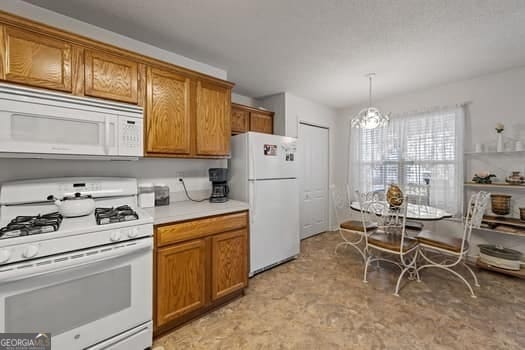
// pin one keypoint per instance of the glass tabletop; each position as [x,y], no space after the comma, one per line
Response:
[417,212]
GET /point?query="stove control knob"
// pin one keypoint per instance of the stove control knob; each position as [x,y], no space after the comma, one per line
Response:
[30,251]
[134,232]
[115,236]
[4,256]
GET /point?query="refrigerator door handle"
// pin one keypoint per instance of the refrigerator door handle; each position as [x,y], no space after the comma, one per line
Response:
[251,159]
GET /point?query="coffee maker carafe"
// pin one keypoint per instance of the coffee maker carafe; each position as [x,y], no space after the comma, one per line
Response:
[220,188]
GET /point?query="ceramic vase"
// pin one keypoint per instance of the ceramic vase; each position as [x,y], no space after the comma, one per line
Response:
[501,146]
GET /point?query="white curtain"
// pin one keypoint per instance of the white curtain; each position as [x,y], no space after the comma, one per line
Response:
[411,151]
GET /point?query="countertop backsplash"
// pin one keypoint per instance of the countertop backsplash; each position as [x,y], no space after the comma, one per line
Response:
[146,170]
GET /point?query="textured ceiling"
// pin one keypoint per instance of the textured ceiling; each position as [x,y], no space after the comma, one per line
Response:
[321,49]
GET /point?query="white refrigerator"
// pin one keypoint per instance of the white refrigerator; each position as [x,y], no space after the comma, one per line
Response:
[263,171]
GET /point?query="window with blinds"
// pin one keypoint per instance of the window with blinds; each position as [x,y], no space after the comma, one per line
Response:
[423,153]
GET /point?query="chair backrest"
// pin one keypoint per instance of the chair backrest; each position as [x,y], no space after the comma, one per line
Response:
[418,193]
[389,219]
[340,204]
[476,209]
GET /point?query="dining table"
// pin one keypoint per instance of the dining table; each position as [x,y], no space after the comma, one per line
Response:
[417,212]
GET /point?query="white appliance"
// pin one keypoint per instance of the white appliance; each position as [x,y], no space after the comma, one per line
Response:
[263,172]
[86,280]
[43,124]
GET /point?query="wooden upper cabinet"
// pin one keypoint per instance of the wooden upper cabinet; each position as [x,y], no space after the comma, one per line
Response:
[35,59]
[110,76]
[246,118]
[240,120]
[229,263]
[261,122]
[213,119]
[181,274]
[168,118]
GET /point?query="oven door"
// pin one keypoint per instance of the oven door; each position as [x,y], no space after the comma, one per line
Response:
[54,129]
[81,298]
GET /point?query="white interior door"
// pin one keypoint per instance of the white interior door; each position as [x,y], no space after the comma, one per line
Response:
[314,143]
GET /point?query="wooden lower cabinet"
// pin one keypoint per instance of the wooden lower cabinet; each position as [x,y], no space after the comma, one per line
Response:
[198,272]
[229,263]
[181,282]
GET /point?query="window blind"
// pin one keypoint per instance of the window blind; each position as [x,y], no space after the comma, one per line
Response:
[423,153]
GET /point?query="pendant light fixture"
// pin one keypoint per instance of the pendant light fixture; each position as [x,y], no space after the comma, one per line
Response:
[370,117]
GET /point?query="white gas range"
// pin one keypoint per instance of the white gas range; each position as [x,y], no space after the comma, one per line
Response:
[88,284]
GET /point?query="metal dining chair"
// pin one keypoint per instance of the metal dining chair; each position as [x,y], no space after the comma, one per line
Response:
[389,238]
[351,231]
[453,251]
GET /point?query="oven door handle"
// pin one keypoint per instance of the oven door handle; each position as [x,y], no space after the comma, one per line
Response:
[74,260]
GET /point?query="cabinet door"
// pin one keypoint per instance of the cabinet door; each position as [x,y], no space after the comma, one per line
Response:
[35,59]
[213,119]
[240,120]
[168,119]
[229,263]
[260,122]
[111,77]
[181,276]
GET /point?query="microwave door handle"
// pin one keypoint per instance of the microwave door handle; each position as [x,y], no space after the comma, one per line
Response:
[16,274]
[106,135]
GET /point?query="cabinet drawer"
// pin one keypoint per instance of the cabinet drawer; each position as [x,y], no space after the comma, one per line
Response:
[200,228]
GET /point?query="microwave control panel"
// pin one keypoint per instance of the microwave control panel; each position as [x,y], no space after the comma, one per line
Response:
[130,137]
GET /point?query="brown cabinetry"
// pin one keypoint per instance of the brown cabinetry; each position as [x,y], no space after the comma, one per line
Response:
[199,265]
[181,283]
[245,118]
[34,59]
[240,120]
[111,77]
[168,121]
[261,122]
[187,114]
[229,263]
[213,119]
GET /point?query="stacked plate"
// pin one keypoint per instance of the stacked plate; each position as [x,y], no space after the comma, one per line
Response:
[498,256]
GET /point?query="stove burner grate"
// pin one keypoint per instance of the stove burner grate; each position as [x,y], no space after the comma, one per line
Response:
[31,225]
[111,215]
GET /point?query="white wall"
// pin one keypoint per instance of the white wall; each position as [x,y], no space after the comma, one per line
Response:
[54,19]
[152,170]
[276,103]
[492,98]
[244,100]
[290,110]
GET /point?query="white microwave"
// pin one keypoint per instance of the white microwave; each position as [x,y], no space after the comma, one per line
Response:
[43,124]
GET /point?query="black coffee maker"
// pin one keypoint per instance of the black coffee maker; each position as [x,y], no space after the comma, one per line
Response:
[220,188]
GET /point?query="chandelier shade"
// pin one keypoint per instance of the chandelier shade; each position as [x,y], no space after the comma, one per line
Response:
[370,117]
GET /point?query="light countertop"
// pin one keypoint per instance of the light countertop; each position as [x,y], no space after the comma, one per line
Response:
[188,210]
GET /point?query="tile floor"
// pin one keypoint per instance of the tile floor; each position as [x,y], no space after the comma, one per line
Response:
[320,302]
